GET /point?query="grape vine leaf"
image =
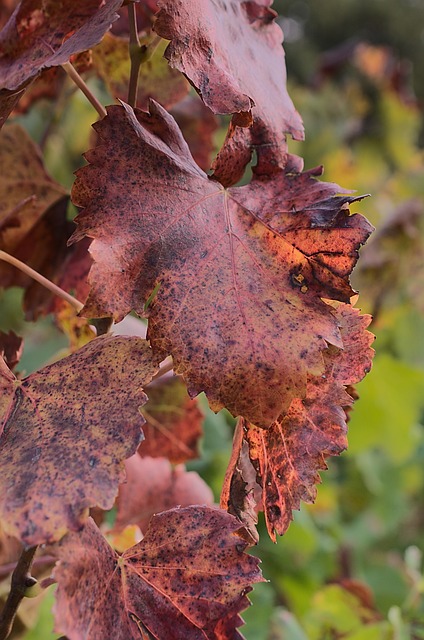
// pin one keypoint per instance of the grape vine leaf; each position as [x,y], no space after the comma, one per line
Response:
[288,455]
[69,426]
[231,52]
[155,79]
[11,347]
[187,576]
[152,485]
[45,34]
[173,422]
[238,274]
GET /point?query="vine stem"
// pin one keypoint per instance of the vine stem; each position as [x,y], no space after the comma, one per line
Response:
[21,580]
[6,257]
[136,53]
[6,569]
[75,76]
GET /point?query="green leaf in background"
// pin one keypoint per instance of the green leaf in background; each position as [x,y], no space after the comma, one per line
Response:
[389,408]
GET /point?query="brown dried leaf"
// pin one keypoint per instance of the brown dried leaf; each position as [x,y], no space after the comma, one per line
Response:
[187,579]
[173,422]
[11,347]
[67,428]
[238,274]
[289,454]
[241,494]
[231,52]
[152,486]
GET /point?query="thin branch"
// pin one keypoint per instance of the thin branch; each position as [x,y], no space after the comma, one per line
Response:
[136,52]
[75,76]
[21,581]
[6,257]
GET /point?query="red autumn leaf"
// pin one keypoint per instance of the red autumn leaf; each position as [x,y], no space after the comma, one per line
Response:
[289,454]
[68,428]
[152,486]
[231,52]
[46,33]
[185,577]
[11,347]
[238,274]
[173,422]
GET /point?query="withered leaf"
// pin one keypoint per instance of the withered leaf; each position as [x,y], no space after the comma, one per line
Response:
[11,347]
[152,485]
[231,52]
[173,422]
[41,34]
[185,577]
[289,454]
[238,274]
[68,428]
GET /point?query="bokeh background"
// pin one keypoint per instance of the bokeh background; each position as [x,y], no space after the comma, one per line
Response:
[351,565]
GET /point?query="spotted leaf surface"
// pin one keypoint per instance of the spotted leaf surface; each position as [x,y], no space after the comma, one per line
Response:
[231,52]
[288,455]
[237,275]
[68,428]
[188,578]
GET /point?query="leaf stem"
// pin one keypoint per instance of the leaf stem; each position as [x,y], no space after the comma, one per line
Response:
[6,569]
[75,76]
[136,52]
[6,257]
[21,580]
